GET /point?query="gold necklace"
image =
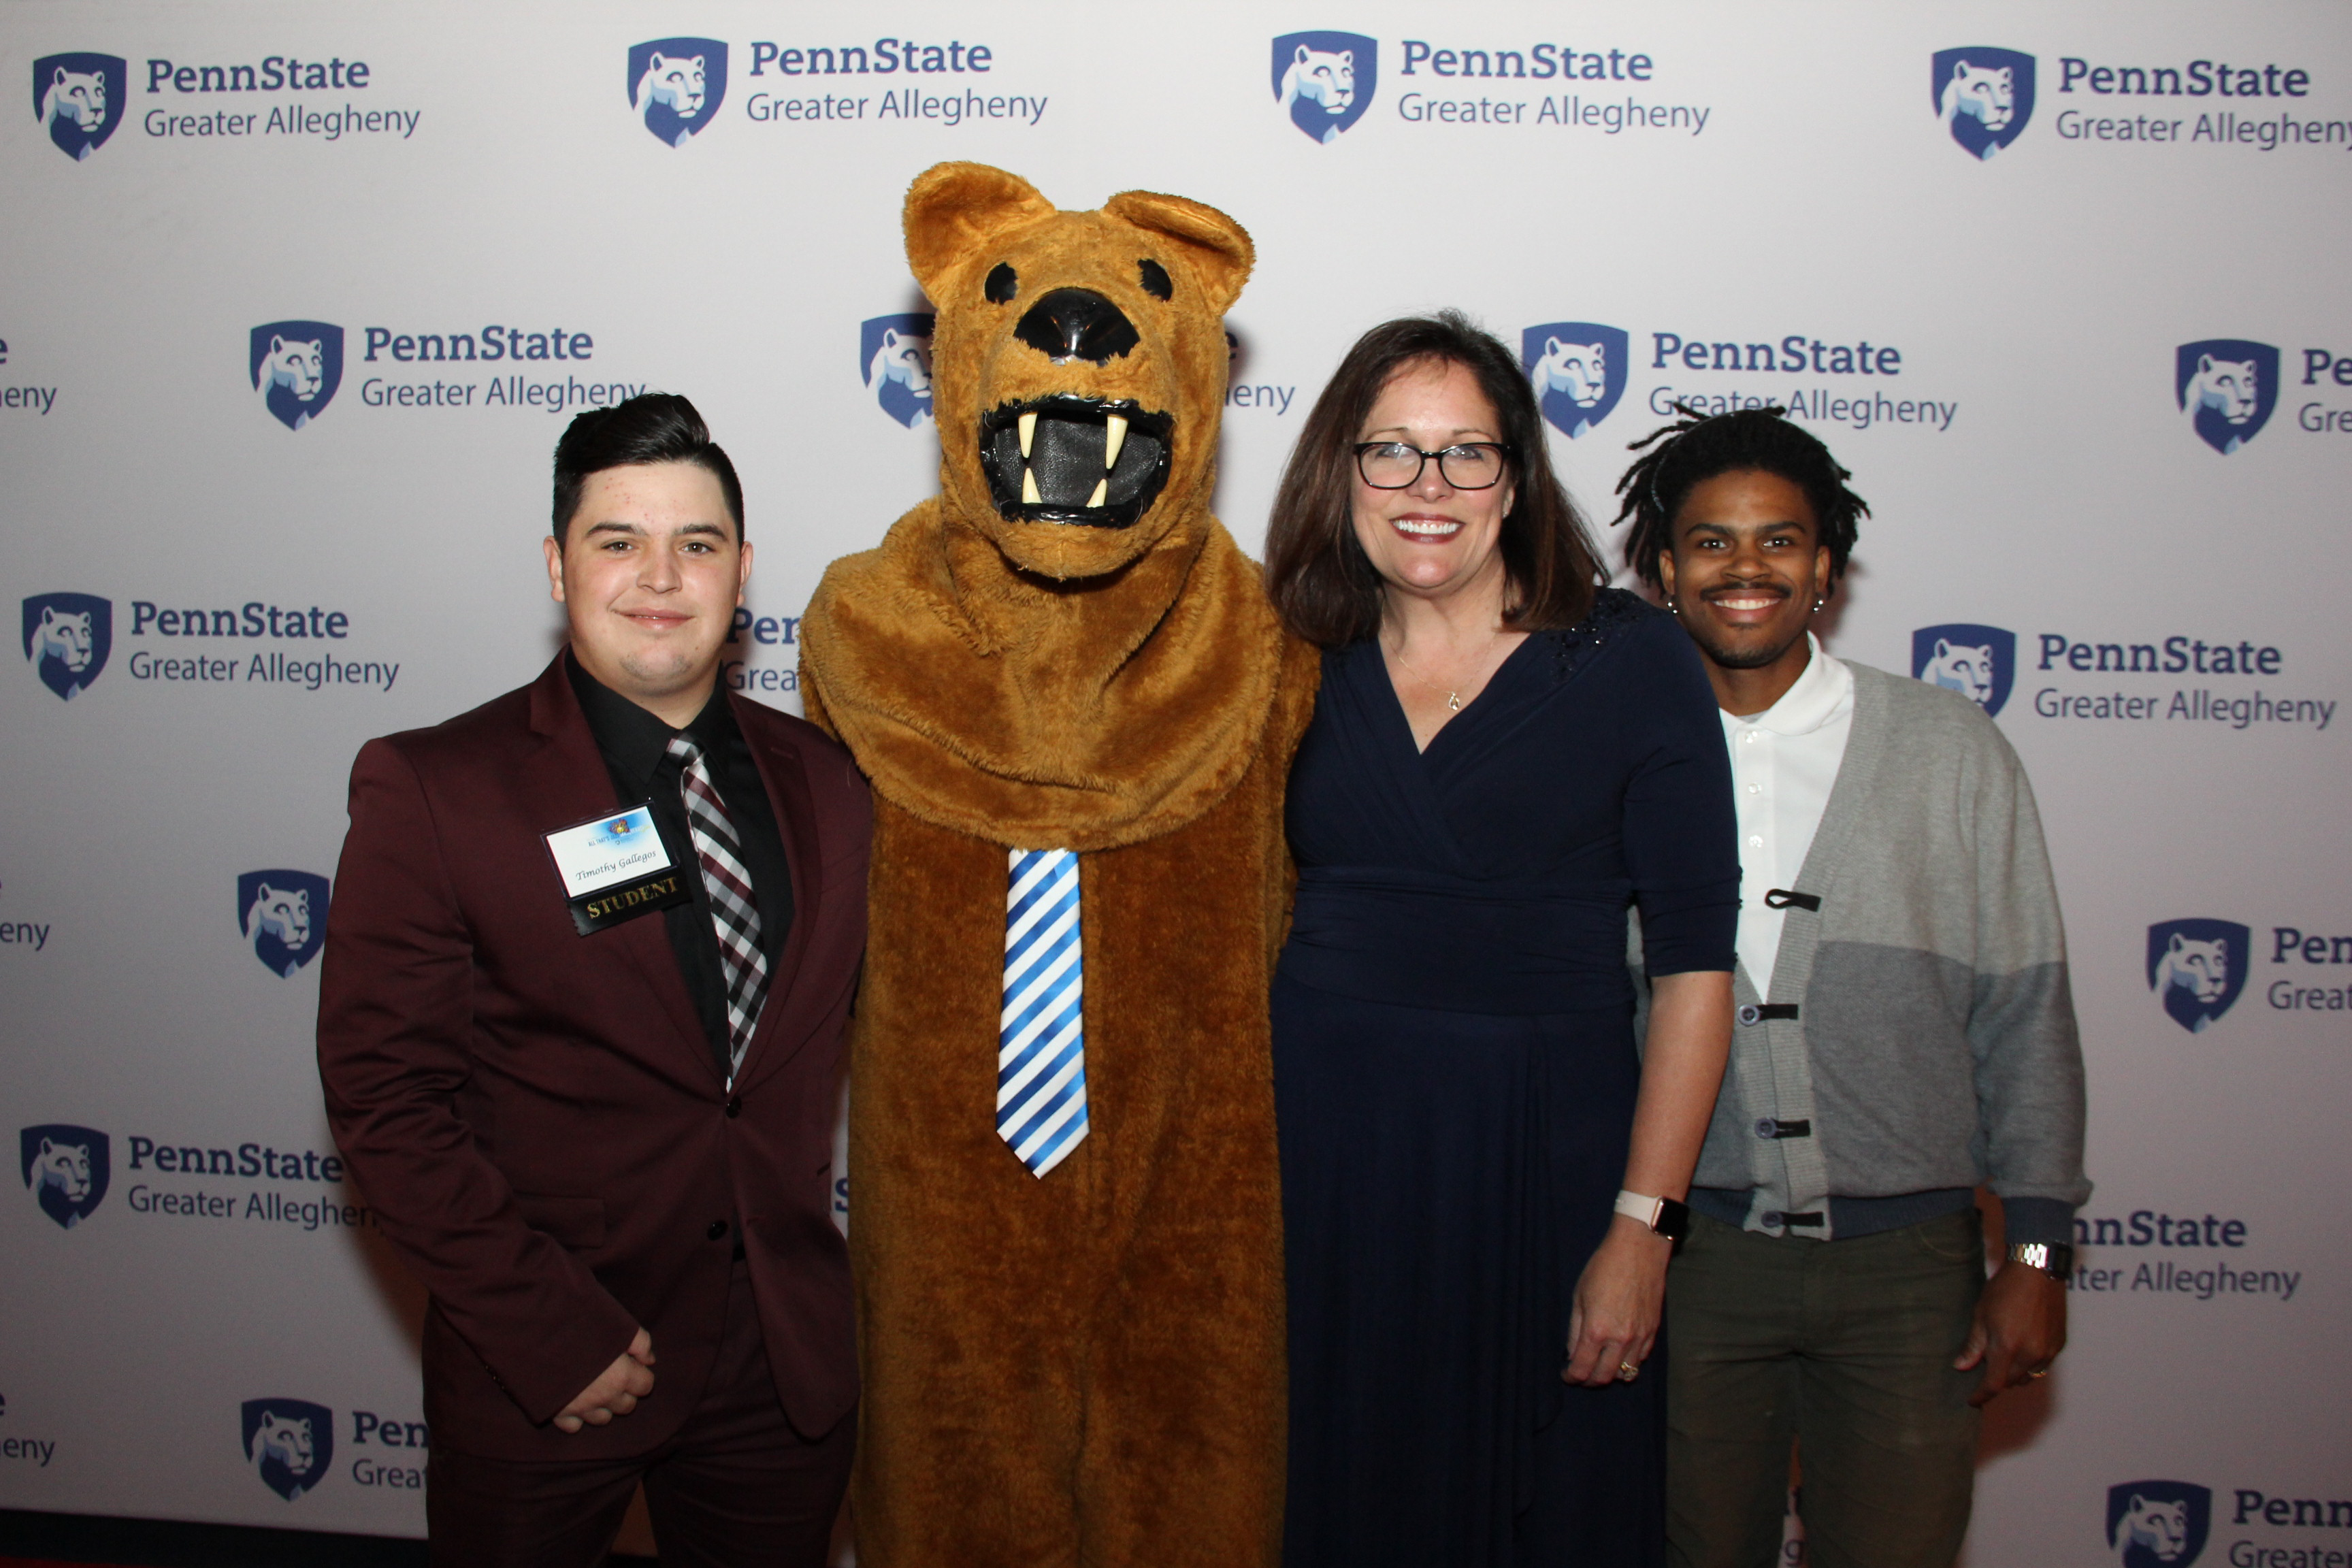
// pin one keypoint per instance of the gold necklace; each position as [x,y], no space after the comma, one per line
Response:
[1453,695]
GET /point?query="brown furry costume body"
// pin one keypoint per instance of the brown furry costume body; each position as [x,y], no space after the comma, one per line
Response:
[1086,1368]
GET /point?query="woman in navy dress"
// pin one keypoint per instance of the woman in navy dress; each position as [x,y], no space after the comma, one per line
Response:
[1504,758]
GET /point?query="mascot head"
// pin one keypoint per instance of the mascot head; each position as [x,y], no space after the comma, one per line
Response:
[1079,365]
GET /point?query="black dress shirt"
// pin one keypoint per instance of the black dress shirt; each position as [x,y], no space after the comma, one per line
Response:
[635,746]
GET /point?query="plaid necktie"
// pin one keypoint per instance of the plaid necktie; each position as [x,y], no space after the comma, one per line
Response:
[734,911]
[1041,1067]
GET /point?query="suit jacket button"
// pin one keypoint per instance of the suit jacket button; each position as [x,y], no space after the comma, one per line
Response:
[717,1230]
[735,1105]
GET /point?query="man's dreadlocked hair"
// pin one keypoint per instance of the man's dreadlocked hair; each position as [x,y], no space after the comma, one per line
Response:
[1697,448]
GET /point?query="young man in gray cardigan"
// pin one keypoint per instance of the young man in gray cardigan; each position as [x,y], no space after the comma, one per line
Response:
[1904,1033]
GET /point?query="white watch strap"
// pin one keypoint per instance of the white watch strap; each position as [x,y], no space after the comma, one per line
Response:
[1638,1206]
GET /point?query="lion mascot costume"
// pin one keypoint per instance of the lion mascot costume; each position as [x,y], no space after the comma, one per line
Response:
[1077,709]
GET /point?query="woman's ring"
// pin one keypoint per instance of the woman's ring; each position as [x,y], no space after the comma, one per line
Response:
[1627,1372]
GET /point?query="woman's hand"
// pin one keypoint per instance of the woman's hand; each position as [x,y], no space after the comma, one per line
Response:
[1618,1298]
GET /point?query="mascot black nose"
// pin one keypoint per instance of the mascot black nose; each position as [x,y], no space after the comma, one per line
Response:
[1077,323]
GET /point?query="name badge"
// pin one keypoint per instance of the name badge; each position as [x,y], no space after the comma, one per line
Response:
[613,869]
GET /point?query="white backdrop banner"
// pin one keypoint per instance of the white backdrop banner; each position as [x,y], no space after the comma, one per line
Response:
[296,299]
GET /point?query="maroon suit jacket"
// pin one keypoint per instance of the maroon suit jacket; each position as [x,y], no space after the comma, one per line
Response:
[535,1116]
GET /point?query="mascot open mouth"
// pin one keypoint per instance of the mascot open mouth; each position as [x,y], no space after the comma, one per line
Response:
[1084,460]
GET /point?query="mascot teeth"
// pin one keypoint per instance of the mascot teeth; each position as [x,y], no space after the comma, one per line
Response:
[1070,459]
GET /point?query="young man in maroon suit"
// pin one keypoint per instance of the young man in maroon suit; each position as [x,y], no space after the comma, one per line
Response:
[591,954]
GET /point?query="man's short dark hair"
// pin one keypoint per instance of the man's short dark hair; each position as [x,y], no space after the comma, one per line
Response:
[1697,447]
[654,428]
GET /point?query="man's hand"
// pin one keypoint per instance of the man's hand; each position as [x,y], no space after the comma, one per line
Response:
[2020,1328]
[615,1391]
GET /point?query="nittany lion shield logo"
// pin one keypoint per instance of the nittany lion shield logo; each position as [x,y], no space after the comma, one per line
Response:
[2227,388]
[2197,968]
[283,915]
[894,355]
[67,1169]
[1979,662]
[80,100]
[1578,369]
[296,367]
[2158,1524]
[676,86]
[1324,80]
[67,637]
[1985,96]
[289,1443]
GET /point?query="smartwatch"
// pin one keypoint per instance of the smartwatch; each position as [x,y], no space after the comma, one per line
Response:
[2055,1258]
[1668,1217]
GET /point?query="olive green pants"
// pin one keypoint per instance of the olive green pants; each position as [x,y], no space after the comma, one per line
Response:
[1845,1349]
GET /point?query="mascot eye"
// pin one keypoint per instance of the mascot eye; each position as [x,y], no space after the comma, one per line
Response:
[1155,279]
[1002,283]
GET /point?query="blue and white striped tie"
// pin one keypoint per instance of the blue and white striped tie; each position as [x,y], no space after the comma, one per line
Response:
[1041,1066]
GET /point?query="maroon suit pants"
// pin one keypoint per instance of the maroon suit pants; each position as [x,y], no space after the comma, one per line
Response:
[734,1487]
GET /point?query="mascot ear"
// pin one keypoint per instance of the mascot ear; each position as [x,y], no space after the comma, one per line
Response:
[955,209]
[1218,248]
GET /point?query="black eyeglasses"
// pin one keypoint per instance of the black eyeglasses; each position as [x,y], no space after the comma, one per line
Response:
[1395,466]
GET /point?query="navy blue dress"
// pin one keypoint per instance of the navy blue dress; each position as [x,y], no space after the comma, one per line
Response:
[1455,1075]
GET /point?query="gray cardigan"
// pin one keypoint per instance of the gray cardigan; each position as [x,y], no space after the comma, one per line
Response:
[1920,1034]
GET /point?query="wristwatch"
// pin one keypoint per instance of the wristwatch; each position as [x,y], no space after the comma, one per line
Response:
[2055,1258]
[1670,1217]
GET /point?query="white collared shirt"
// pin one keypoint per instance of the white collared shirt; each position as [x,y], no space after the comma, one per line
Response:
[1783,763]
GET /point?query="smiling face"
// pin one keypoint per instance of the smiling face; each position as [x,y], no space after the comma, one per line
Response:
[649,571]
[1430,538]
[1744,566]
